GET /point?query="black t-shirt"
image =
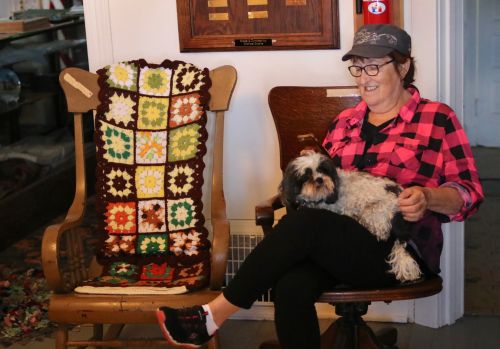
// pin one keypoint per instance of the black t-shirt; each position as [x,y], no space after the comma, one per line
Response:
[371,134]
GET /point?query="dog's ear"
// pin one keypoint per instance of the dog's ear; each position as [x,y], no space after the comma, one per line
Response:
[334,196]
[327,167]
[394,188]
[290,188]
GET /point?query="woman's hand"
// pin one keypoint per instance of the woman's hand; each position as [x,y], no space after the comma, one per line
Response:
[413,202]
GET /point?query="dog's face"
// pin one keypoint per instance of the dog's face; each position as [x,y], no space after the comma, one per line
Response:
[309,179]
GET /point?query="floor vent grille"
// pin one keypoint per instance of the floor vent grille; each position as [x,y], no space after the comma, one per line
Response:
[240,247]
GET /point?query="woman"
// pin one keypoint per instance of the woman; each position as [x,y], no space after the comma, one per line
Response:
[392,132]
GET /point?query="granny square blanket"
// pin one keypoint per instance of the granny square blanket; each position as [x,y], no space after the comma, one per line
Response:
[150,136]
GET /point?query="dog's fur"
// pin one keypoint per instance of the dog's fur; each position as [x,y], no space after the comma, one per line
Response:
[312,180]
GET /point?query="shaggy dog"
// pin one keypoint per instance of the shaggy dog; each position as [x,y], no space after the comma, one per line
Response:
[312,180]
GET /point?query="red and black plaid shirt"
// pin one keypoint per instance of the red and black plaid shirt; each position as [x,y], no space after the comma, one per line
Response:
[424,145]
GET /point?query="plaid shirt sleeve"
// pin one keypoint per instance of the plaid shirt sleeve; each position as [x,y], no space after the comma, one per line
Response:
[459,169]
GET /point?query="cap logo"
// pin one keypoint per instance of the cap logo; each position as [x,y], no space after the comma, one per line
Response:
[365,37]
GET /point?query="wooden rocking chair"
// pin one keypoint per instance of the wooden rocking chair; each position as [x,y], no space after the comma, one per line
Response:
[309,110]
[62,249]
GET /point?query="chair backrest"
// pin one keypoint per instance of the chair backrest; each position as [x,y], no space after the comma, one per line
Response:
[299,110]
[81,88]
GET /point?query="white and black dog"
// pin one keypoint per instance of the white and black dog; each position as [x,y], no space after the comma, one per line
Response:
[312,180]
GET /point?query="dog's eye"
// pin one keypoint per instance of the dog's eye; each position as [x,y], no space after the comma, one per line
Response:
[305,176]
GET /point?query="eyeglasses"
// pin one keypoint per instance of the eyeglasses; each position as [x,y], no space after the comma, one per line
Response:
[370,69]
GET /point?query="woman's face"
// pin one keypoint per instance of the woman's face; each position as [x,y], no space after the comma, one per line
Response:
[383,91]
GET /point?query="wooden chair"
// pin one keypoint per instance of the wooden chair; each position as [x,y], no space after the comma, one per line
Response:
[301,110]
[62,241]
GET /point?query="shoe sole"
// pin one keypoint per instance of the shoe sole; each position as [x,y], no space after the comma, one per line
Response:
[160,316]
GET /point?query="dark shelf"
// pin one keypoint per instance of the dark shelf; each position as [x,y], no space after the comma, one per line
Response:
[49,195]
[9,37]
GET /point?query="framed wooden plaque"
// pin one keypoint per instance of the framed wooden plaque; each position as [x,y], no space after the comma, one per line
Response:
[227,25]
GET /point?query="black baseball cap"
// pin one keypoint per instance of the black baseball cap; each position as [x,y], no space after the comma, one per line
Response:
[378,40]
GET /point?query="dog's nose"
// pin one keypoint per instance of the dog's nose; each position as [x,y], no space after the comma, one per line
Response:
[319,180]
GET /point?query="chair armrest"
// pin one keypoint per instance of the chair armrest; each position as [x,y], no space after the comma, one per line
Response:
[264,212]
[51,249]
[52,238]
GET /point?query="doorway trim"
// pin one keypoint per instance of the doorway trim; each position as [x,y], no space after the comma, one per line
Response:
[448,306]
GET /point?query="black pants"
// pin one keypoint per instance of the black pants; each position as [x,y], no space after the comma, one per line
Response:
[308,252]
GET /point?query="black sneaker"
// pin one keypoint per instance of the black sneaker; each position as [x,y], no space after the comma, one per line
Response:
[184,328]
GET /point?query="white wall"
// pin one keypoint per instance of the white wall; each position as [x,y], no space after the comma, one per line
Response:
[128,29]
[7,7]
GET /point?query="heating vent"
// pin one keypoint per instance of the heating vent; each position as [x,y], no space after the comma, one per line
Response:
[239,248]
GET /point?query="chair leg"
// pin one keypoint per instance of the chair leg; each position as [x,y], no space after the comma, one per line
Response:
[350,331]
[368,339]
[388,336]
[61,336]
[214,342]
[358,336]
[98,331]
[114,331]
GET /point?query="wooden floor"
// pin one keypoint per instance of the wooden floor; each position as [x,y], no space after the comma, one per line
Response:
[467,333]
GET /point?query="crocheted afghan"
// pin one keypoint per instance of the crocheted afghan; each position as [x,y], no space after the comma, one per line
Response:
[150,136]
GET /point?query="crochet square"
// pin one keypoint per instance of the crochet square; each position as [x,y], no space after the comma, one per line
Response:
[120,217]
[152,113]
[121,109]
[181,179]
[155,81]
[123,269]
[194,271]
[151,147]
[152,244]
[111,280]
[185,242]
[151,217]
[119,183]
[150,181]
[122,76]
[118,144]
[183,142]
[181,214]
[157,272]
[187,78]
[185,110]
[120,244]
